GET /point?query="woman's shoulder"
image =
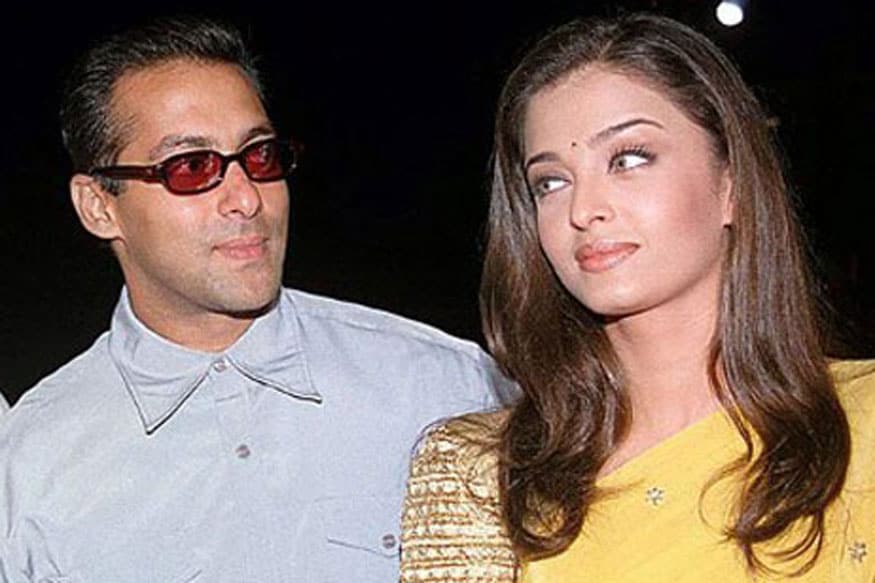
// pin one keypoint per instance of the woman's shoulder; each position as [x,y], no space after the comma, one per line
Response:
[465,448]
[468,431]
[452,529]
[855,384]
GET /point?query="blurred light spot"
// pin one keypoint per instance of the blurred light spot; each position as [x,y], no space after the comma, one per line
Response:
[730,13]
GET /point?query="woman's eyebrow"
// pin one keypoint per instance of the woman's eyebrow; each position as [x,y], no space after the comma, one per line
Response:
[598,138]
[615,129]
[541,157]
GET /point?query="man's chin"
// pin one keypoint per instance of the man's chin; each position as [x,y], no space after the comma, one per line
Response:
[253,307]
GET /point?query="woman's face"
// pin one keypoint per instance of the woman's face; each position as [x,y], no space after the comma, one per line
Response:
[632,204]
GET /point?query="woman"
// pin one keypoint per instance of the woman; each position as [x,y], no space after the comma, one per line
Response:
[646,285]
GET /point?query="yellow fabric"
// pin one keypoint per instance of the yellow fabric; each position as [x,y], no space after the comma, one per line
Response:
[655,528]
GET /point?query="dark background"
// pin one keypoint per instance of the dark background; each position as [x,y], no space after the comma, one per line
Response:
[395,107]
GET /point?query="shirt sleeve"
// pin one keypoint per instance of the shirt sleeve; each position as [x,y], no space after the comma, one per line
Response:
[451,523]
[482,386]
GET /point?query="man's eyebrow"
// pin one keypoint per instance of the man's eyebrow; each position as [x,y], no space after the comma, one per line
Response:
[615,129]
[174,141]
[257,132]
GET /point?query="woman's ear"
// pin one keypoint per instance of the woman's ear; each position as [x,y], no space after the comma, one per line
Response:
[727,196]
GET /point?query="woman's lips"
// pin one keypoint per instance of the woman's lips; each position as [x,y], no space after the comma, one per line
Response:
[603,255]
[250,247]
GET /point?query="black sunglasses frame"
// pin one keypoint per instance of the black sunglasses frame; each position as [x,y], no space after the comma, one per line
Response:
[157,173]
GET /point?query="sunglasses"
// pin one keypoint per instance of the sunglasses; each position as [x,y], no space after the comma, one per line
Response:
[201,170]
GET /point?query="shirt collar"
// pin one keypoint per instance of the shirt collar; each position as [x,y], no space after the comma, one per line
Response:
[160,375]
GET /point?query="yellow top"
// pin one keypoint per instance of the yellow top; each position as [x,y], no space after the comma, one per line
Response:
[655,527]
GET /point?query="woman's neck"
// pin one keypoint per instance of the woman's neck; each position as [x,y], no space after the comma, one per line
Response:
[665,360]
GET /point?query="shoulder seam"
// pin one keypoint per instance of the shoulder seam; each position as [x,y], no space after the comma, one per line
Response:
[401,326]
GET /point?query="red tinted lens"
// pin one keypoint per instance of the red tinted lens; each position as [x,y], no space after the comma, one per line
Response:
[264,160]
[192,171]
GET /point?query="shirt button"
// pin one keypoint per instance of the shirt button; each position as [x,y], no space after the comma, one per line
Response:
[220,365]
[389,541]
[242,451]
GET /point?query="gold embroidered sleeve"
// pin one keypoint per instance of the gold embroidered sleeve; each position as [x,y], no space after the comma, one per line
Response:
[451,525]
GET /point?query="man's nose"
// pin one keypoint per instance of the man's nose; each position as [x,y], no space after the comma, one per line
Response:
[240,195]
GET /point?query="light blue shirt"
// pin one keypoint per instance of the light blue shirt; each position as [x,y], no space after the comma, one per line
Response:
[4,406]
[282,459]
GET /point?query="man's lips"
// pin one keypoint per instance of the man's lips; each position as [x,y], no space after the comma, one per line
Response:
[249,247]
[603,255]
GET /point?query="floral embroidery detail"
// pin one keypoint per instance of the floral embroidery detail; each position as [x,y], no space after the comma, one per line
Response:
[858,551]
[655,496]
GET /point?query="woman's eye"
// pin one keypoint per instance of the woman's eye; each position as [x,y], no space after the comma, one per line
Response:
[546,185]
[629,160]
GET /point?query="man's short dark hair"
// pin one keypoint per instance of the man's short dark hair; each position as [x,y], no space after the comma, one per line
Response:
[91,134]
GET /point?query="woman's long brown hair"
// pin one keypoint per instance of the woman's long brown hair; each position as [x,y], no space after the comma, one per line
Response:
[766,363]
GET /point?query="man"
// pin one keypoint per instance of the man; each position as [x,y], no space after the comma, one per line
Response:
[223,429]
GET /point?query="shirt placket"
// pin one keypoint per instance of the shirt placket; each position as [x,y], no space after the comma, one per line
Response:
[233,399]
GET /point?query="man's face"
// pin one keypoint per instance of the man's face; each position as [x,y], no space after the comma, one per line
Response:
[215,253]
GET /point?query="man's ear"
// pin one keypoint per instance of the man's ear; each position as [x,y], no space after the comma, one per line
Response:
[95,207]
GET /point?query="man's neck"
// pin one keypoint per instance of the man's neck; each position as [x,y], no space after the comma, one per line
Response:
[200,330]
